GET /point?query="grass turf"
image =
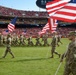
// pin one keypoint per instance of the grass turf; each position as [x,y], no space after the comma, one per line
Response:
[32,61]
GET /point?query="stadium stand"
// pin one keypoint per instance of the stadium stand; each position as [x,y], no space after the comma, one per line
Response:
[28,23]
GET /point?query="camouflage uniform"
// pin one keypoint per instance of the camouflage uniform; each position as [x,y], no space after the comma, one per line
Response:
[53,45]
[21,40]
[59,39]
[8,49]
[1,39]
[13,40]
[37,41]
[16,40]
[70,65]
[30,43]
[4,39]
[45,40]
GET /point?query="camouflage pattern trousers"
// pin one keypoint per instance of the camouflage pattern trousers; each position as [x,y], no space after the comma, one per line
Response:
[70,69]
[8,49]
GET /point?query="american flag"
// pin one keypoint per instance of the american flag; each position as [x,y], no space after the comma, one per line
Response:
[45,28]
[62,10]
[11,26]
[51,25]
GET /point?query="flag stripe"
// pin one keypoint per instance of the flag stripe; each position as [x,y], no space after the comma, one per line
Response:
[67,12]
[11,26]
[52,7]
[51,25]
[46,27]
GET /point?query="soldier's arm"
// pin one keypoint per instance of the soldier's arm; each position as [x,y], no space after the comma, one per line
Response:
[57,44]
[62,57]
[74,53]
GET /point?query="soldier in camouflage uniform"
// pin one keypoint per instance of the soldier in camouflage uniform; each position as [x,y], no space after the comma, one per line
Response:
[8,47]
[30,43]
[45,37]
[59,38]
[4,39]
[53,45]
[1,39]
[38,41]
[16,40]
[70,54]
[21,40]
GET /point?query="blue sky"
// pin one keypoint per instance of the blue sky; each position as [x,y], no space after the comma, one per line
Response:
[21,4]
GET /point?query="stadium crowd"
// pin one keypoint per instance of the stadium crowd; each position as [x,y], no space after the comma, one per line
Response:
[39,18]
[13,12]
[63,31]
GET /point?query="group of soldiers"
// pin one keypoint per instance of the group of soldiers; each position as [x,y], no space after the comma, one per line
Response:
[70,54]
[23,41]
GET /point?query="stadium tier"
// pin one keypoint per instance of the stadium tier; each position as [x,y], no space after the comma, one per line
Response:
[4,11]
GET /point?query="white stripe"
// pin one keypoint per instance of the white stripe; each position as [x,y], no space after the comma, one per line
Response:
[68,10]
[71,4]
[57,3]
[54,9]
[11,24]
[52,13]
[52,23]
[64,16]
[11,27]
[53,29]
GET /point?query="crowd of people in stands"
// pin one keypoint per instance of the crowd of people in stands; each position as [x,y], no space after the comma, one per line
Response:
[26,14]
[63,31]
[13,12]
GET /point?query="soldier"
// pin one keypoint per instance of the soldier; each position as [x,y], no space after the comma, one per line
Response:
[70,54]
[45,40]
[59,38]
[16,40]
[53,45]
[21,40]
[30,43]
[1,39]
[4,39]
[38,41]
[8,47]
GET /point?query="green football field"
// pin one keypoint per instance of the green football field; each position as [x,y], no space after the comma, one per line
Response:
[32,60]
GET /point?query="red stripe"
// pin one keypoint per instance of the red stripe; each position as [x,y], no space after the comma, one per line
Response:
[11,27]
[70,7]
[63,19]
[66,13]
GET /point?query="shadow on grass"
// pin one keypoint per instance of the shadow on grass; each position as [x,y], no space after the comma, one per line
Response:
[23,60]
[32,59]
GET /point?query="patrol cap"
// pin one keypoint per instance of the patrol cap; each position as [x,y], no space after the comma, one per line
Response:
[72,33]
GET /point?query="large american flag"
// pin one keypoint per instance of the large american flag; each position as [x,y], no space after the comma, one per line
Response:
[62,10]
[11,26]
[51,26]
